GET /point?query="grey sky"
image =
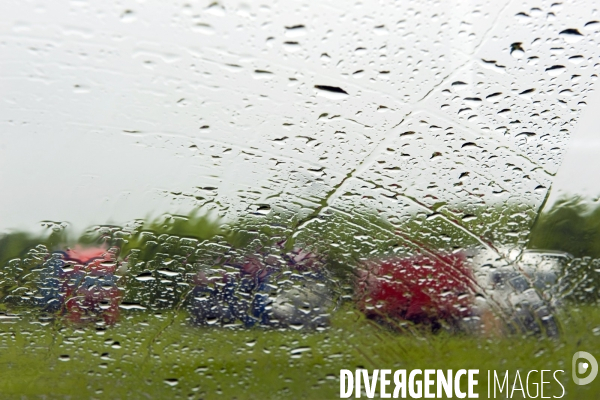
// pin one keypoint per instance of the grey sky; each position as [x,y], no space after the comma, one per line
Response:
[113,113]
[579,173]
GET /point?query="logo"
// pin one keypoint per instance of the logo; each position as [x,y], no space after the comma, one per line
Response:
[580,367]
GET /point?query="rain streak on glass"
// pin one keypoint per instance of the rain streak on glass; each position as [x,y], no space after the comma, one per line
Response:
[257,194]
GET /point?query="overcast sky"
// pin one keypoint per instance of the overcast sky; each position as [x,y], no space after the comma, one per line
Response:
[580,171]
[110,114]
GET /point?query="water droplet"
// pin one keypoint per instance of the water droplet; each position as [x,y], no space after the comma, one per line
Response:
[555,70]
[592,25]
[331,92]
[516,50]
[128,16]
[571,35]
[295,31]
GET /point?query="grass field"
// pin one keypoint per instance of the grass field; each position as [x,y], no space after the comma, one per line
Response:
[161,356]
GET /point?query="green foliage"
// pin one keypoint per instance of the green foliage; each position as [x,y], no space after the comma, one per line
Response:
[174,235]
[16,244]
[570,226]
[255,232]
[573,226]
[20,254]
[345,239]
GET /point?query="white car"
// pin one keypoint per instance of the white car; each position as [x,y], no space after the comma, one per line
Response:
[519,287]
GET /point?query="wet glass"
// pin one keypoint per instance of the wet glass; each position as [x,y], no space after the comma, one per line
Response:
[241,199]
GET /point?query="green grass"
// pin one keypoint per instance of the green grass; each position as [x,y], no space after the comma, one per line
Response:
[245,364]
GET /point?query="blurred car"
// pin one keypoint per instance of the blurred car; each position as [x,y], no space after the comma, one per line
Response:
[490,291]
[432,290]
[520,286]
[81,285]
[281,290]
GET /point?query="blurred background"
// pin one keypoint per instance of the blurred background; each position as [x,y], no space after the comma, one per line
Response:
[240,198]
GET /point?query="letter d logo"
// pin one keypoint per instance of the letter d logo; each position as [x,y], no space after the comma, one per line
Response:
[582,367]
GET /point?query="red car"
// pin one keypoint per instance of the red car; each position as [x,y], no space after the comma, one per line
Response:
[436,290]
[82,285]
[478,291]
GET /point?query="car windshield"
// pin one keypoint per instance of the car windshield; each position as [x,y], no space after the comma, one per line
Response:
[246,199]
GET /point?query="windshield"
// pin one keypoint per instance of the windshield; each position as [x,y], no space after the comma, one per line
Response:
[195,192]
